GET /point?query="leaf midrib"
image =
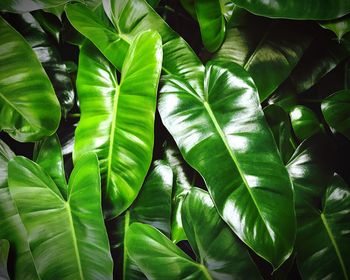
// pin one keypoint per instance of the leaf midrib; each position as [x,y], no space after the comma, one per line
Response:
[335,245]
[233,157]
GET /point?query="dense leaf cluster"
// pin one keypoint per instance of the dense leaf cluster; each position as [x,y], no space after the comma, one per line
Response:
[190,139]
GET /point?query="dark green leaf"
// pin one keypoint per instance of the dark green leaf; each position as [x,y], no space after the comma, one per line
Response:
[297,9]
[117,120]
[268,50]
[281,127]
[4,252]
[215,245]
[222,133]
[305,122]
[158,257]
[24,88]
[67,238]
[339,26]
[323,242]
[336,111]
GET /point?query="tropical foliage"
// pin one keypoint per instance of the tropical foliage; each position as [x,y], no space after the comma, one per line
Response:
[191,139]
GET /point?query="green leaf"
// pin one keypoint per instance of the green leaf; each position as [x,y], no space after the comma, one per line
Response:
[335,109]
[48,154]
[281,128]
[4,252]
[22,6]
[268,50]
[152,206]
[117,120]
[49,57]
[298,9]
[222,133]
[211,22]
[158,257]
[11,225]
[67,237]
[339,26]
[113,41]
[182,186]
[24,87]
[323,242]
[215,245]
[305,122]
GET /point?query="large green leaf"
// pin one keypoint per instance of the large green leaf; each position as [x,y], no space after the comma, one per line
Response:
[24,89]
[152,206]
[281,128]
[113,41]
[215,245]
[339,26]
[304,122]
[67,238]
[117,120]
[323,242]
[22,6]
[211,22]
[49,57]
[158,257]
[336,111]
[48,154]
[268,50]
[11,225]
[4,252]
[297,9]
[222,133]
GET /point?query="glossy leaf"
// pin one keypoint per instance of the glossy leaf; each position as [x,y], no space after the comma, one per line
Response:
[336,111]
[339,26]
[48,154]
[24,88]
[113,41]
[4,252]
[11,225]
[152,206]
[304,122]
[281,128]
[117,120]
[268,50]
[67,237]
[323,242]
[22,6]
[215,245]
[298,9]
[49,57]
[222,133]
[158,257]
[211,22]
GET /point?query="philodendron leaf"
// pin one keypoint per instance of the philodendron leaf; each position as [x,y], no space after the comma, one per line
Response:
[304,122]
[117,120]
[215,245]
[222,133]
[153,207]
[339,26]
[4,252]
[268,50]
[297,9]
[281,128]
[158,257]
[211,22]
[48,56]
[48,154]
[11,224]
[67,238]
[24,88]
[114,41]
[323,239]
[22,6]
[336,111]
